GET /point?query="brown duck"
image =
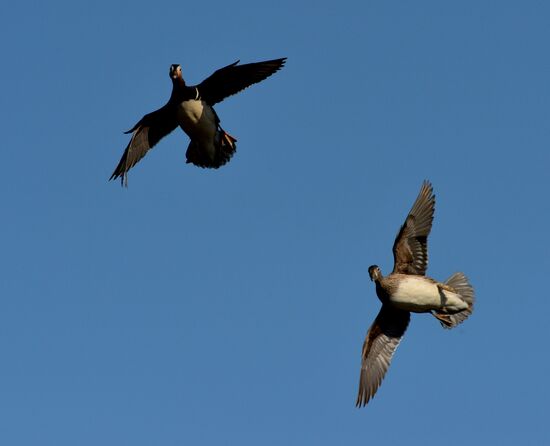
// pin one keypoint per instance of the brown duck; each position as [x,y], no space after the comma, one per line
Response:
[191,108]
[407,289]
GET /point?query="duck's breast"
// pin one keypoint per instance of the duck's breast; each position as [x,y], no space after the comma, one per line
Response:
[416,293]
[197,119]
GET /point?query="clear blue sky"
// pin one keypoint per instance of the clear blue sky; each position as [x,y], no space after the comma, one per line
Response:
[230,306]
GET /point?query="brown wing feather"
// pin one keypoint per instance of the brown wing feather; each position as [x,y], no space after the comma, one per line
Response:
[233,78]
[145,135]
[382,339]
[410,249]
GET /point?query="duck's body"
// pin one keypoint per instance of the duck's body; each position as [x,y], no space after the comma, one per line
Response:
[210,145]
[420,294]
[406,290]
[191,108]
[199,121]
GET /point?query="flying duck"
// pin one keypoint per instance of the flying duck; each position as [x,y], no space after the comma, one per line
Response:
[191,107]
[407,289]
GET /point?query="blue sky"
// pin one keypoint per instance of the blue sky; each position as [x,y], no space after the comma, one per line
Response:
[230,306]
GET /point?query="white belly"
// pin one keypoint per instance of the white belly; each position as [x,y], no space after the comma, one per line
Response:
[420,295]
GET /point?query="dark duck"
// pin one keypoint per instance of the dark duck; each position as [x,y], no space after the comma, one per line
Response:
[191,108]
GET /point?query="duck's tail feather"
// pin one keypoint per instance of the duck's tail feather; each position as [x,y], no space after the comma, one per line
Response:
[459,283]
[224,148]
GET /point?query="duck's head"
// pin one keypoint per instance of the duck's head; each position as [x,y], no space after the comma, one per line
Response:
[375,273]
[175,71]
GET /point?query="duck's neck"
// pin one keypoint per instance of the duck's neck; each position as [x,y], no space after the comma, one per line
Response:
[380,290]
[178,84]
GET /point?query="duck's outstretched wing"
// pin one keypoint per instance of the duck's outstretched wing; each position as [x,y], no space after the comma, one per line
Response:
[233,78]
[410,249]
[145,134]
[382,339]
